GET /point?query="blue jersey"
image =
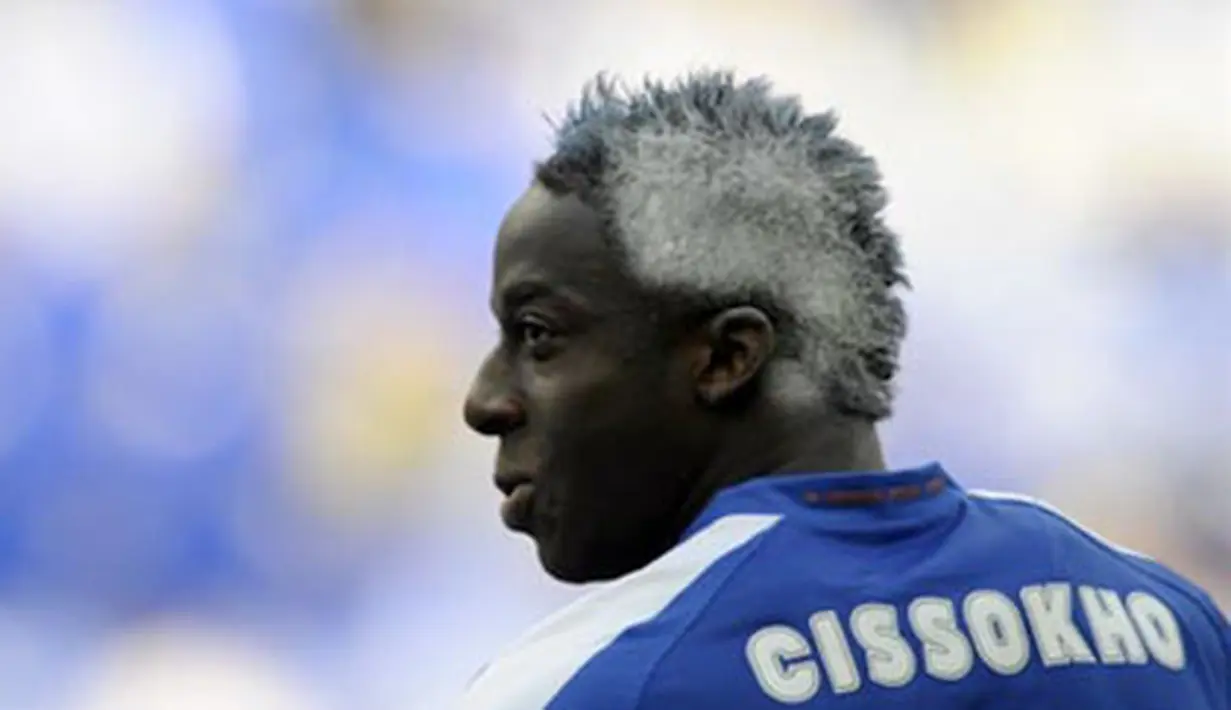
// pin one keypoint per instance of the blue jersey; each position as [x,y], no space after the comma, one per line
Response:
[876,591]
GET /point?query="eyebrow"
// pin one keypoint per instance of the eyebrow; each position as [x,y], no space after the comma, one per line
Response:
[523,292]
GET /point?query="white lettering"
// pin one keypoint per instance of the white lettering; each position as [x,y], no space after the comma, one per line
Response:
[997,630]
[891,662]
[946,652]
[836,654]
[1159,629]
[779,658]
[991,628]
[1049,607]
[1114,636]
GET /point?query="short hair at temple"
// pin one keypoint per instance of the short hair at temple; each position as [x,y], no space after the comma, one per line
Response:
[727,192]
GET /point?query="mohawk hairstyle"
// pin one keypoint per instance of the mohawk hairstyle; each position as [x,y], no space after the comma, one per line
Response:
[725,192]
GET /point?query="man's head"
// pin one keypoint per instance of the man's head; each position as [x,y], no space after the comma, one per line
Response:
[693,260]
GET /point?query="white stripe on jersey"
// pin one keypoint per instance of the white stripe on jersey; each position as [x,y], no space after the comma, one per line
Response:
[533,671]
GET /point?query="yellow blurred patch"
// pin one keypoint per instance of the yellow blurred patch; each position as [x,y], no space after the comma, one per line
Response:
[983,41]
[373,394]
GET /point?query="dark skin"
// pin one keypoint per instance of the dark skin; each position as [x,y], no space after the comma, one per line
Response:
[619,412]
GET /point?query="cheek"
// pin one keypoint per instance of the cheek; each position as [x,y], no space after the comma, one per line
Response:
[610,470]
[609,381]
[609,429]
[614,421]
[615,476]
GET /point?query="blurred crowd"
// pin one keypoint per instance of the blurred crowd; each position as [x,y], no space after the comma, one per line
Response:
[243,271]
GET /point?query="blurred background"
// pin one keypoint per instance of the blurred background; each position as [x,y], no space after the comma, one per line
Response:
[244,250]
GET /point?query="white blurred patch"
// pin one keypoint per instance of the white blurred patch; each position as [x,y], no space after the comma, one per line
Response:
[825,51]
[182,666]
[117,123]
[408,649]
[35,641]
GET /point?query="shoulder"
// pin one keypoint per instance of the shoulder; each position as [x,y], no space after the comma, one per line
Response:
[1070,536]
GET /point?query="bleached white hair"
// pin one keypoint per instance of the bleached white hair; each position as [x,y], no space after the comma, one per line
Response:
[724,191]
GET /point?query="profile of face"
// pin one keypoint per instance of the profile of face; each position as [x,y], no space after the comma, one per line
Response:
[596,393]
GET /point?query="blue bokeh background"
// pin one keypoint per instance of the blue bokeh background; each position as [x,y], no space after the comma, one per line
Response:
[243,263]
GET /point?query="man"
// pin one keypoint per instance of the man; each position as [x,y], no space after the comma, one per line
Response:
[700,327]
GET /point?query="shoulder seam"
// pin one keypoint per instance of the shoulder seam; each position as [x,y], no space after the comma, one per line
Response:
[749,551]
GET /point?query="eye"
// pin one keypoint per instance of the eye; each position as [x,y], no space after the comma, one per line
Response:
[531,333]
[535,336]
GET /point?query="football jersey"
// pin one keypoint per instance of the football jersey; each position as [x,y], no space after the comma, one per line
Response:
[872,591]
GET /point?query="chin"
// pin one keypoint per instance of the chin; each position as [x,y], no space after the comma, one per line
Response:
[580,565]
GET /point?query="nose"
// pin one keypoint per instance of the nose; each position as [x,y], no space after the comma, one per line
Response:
[491,409]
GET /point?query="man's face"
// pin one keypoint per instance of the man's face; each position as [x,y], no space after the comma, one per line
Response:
[588,394]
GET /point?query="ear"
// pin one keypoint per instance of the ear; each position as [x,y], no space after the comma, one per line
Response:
[738,342]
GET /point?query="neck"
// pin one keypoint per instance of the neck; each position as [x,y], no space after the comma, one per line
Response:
[818,444]
[822,444]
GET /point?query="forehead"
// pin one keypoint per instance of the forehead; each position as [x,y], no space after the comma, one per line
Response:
[555,242]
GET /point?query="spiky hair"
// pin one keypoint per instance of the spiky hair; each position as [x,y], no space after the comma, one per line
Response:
[727,192]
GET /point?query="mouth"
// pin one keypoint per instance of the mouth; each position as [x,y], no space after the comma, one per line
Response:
[518,507]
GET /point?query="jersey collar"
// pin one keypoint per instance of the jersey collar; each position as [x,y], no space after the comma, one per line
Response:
[850,501]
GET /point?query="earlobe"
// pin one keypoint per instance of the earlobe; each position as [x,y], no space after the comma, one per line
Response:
[739,342]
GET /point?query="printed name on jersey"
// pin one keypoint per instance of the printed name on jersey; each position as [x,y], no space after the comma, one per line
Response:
[943,639]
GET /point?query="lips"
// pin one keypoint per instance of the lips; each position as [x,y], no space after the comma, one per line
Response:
[518,506]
